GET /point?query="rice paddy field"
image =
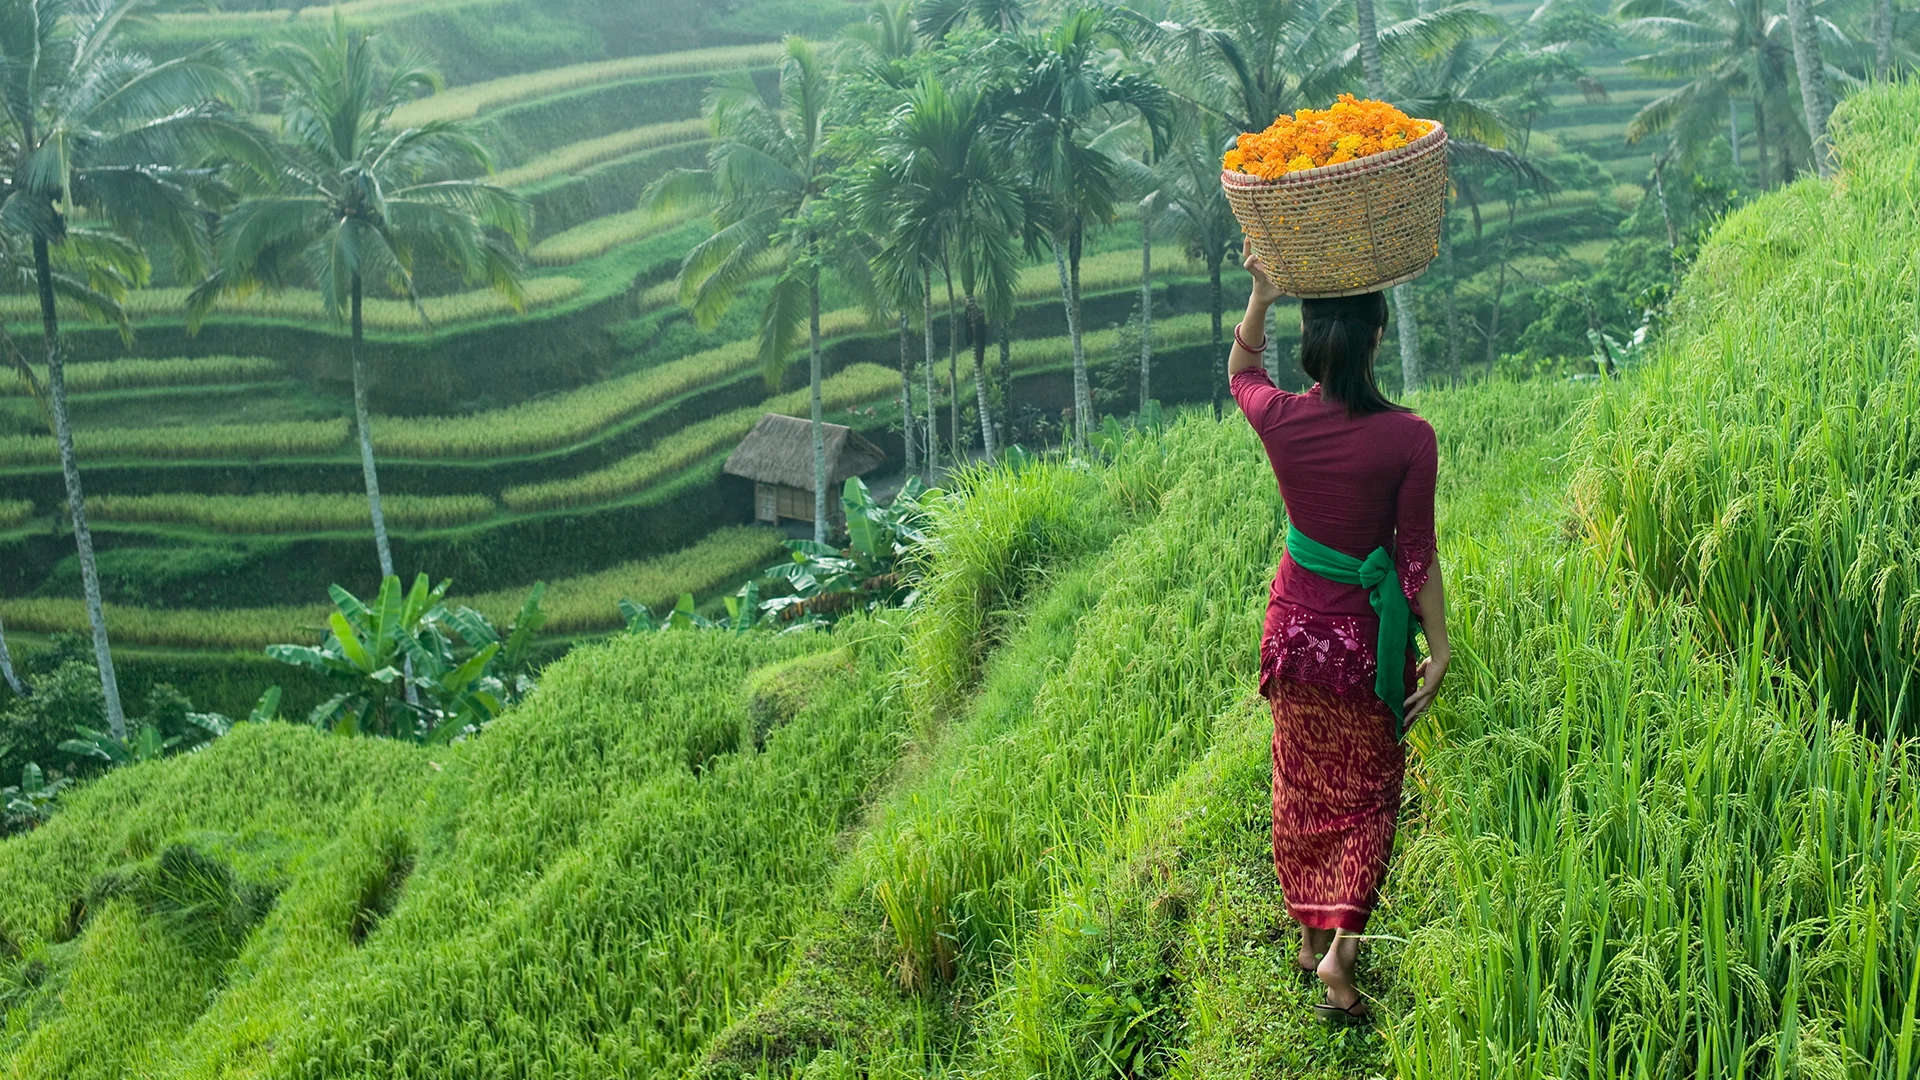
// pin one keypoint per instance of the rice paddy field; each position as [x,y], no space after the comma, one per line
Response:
[1664,821]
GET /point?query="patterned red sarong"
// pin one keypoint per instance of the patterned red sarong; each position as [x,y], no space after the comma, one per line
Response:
[1337,771]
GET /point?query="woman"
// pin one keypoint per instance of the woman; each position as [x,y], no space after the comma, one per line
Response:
[1337,660]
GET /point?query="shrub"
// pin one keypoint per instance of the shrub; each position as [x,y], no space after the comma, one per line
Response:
[289,513]
[31,731]
[14,512]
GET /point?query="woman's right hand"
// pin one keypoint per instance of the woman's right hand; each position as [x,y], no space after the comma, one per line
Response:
[1265,292]
[1431,672]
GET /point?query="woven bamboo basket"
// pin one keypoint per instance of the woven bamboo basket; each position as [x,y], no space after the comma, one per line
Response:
[1355,227]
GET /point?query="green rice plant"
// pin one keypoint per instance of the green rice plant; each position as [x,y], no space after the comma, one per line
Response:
[1762,469]
[580,604]
[286,513]
[228,24]
[591,602]
[580,155]
[696,442]
[380,313]
[220,630]
[294,438]
[466,102]
[601,235]
[577,415]
[512,879]
[14,512]
[142,374]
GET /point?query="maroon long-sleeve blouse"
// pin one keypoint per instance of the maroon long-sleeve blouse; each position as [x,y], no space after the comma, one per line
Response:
[1354,484]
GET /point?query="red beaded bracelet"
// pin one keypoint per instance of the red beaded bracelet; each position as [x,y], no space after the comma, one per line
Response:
[1242,342]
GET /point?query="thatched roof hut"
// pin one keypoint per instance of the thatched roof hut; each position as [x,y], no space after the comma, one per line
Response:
[777,455]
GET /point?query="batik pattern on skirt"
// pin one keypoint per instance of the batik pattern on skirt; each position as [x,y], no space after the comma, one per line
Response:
[1337,770]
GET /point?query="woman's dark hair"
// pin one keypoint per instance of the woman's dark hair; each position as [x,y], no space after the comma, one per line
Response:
[1337,345]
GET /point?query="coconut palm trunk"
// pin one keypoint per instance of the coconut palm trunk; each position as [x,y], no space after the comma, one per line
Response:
[953,369]
[1453,302]
[1219,347]
[933,410]
[1733,129]
[1883,38]
[906,396]
[819,419]
[6,667]
[1410,374]
[977,329]
[1006,381]
[1813,81]
[1146,308]
[363,426]
[1760,136]
[76,498]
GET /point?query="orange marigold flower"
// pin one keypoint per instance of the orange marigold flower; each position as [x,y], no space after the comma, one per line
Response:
[1349,130]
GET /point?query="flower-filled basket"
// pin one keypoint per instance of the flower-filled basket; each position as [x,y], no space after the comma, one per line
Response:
[1341,201]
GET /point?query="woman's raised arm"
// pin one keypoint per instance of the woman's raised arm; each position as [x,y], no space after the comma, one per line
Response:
[1250,337]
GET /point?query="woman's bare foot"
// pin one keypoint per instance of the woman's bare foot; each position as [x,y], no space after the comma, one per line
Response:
[1314,944]
[1336,971]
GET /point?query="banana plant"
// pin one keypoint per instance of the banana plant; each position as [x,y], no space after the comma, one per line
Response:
[743,614]
[31,802]
[409,640]
[869,572]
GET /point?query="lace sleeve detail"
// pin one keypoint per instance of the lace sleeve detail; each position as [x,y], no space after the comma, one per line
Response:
[1413,575]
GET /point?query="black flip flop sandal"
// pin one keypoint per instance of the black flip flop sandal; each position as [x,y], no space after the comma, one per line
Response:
[1333,1015]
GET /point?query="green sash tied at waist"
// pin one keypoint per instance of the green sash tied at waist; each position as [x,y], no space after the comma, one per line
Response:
[1381,579]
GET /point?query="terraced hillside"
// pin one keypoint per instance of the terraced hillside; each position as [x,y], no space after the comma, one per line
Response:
[577,442]
[1022,829]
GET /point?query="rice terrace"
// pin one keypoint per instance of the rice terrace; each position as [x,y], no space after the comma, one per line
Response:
[725,539]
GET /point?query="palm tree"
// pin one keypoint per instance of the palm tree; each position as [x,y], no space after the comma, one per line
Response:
[6,667]
[1725,49]
[1193,207]
[942,195]
[1472,77]
[1814,98]
[1060,89]
[95,131]
[766,175]
[938,18]
[358,200]
[1246,61]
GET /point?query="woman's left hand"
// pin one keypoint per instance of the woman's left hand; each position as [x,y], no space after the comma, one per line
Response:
[1433,670]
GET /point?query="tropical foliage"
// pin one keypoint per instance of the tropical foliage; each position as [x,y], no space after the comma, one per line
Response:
[414,667]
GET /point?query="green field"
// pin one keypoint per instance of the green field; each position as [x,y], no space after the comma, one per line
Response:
[1665,821]
[982,836]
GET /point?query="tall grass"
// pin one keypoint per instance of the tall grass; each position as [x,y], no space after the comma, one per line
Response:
[289,513]
[14,512]
[292,438]
[576,156]
[1762,469]
[465,102]
[857,385]
[142,374]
